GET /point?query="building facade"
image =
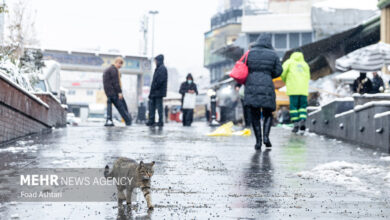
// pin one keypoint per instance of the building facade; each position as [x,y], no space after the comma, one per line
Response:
[224,30]
[82,76]
[288,22]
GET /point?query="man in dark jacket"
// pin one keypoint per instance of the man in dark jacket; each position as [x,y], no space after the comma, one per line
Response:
[158,90]
[113,89]
[263,65]
[141,113]
[362,84]
[188,87]
[377,83]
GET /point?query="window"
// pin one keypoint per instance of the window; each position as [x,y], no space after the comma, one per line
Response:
[89,93]
[306,38]
[294,40]
[40,86]
[281,41]
[253,37]
[72,92]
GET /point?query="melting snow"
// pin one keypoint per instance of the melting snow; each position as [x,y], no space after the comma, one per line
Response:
[385,158]
[32,148]
[60,161]
[346,174]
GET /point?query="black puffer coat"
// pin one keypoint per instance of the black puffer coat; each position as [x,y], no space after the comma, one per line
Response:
[264,65]
[158,88]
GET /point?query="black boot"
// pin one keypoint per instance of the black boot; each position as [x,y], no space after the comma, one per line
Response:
[150,124]
[266,130]
[302,125]
[257,131]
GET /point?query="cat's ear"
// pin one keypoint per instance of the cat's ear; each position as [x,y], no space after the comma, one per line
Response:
[153,163]
[141,163]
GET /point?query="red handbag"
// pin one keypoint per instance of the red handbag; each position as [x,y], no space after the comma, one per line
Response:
[240,70]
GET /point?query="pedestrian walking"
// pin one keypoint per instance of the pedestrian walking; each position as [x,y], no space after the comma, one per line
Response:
[113,89]
[377,83]
[245,108]
[296,75]
[187,87]
[158,91]
[166,111]
[362,84]
[141,117]
[263,65]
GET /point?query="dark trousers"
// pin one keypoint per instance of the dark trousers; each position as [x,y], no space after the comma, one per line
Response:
[188,116]
[120,105]
[256,114]
[298,105]
[247,114]
[156,104]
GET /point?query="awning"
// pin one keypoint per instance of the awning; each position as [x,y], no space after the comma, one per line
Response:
[366,59]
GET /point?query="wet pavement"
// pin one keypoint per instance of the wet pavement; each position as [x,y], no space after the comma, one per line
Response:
[200,177]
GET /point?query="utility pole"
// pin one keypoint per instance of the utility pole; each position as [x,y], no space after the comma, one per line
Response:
[145,30]
[153,13]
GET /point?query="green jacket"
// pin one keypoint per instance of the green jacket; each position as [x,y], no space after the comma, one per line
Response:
[296,75]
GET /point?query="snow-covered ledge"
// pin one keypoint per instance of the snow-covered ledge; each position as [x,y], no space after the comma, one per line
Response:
[371,104]
[29,94]
[49,94]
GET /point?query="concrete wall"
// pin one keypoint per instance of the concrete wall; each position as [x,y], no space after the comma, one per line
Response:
[367,124]
[22,113]
[57,113]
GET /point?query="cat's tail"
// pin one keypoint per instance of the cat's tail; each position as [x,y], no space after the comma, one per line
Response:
[107,172]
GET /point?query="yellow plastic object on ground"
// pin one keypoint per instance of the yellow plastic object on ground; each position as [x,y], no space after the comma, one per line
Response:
[227,130]
[223,130]
[245,132]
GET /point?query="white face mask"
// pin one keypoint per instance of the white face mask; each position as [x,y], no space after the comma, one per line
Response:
[189,81]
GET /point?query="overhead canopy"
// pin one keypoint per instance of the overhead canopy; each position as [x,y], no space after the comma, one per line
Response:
[366,59]
[321,55]
[383,4]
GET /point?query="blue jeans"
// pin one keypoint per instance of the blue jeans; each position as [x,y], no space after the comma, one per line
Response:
[121,106]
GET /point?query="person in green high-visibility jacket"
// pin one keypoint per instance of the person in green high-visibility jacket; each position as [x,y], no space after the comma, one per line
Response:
[296,75]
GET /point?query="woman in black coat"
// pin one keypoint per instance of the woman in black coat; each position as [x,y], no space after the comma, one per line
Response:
[188,87]
[263,65]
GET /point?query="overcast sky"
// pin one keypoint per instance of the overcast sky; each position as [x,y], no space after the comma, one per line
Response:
[115,24]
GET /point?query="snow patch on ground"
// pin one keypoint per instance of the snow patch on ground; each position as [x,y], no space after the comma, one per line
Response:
[385,158]
[349,175]
[61,161]
[17,149]
[23,143]
[387,178]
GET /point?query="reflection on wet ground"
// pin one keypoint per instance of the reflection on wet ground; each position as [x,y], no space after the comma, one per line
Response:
[210,177]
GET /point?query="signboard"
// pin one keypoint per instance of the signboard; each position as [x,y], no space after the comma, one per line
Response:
[93,60]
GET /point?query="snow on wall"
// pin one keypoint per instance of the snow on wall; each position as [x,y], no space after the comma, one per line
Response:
[21,77]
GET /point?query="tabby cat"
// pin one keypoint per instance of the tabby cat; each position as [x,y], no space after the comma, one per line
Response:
[140,175]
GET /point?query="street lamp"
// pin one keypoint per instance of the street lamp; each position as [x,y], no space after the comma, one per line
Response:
[153,13]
